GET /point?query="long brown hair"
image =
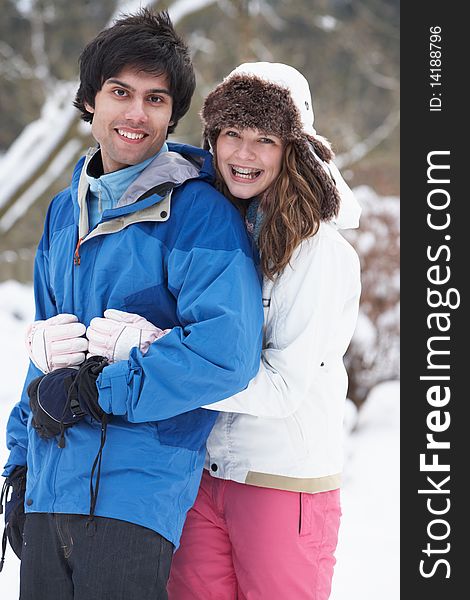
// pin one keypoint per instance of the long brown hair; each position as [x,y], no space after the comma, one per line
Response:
[293,206]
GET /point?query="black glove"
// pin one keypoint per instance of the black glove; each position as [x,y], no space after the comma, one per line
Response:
[48,399]
[83,393]
[14,511]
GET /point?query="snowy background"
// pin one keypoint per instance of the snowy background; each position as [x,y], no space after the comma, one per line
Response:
[368,551]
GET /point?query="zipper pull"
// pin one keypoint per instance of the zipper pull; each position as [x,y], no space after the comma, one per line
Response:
[76,258]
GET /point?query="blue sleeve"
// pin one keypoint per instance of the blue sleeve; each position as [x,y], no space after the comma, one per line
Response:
[17,431]
[217,348]
[17,426]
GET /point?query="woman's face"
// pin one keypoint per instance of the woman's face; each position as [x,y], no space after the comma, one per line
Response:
[248,160]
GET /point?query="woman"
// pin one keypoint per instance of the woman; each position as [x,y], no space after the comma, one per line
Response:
[266,519]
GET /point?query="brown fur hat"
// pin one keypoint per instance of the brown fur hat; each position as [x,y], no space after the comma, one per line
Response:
[248,101]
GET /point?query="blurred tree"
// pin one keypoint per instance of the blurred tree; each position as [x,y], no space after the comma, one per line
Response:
[40,44]
[373,355]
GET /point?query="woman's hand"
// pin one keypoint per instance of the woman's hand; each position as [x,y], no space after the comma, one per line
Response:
[118,332]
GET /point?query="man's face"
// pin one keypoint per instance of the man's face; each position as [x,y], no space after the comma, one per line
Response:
[131,116]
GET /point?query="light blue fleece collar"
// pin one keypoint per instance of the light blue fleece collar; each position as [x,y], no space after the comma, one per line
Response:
[114,184]
[106,190]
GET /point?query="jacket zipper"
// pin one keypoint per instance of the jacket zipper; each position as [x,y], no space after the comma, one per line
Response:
[76,256]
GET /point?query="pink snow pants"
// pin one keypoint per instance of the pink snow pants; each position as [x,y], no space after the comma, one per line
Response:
[242,542]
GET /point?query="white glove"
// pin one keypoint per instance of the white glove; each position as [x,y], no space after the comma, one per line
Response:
[114,336]
[56,342]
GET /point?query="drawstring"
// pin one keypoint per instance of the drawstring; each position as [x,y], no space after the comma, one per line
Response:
[61,442]
[90,523]
[4,548]
[3,496]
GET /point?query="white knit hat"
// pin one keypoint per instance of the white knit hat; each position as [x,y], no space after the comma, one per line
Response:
[288,77]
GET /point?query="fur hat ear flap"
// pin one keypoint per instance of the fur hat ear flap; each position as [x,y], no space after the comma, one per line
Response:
[313,168]
[322,147]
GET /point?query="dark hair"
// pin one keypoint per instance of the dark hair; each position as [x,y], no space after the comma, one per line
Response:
[144,41]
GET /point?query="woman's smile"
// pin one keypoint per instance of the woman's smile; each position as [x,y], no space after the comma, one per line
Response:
[245,173]
[249,160]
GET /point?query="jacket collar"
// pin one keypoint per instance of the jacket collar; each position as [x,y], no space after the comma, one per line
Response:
[168,170]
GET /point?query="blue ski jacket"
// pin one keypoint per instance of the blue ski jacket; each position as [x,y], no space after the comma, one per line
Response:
[176,252]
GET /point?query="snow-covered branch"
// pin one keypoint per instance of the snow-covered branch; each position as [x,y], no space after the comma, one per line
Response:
[128,6]
[182,8]
[362,148]
[42,69]
[37,141]
[379,79]
[40,185]
[261,7]
[13,65]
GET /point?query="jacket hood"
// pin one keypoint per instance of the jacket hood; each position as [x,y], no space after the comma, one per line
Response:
[349,208]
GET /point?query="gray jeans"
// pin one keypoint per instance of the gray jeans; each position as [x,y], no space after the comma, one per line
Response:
[120,561]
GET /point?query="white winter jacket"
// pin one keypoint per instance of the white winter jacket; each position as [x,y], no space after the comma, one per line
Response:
[284,430]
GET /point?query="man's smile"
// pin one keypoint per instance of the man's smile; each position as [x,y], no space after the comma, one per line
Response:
[131,135]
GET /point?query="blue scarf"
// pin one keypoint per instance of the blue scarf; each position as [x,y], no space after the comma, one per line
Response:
[254,219]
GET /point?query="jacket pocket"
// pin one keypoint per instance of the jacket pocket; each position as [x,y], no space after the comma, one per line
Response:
[296,434]
[189,430]
[319,517]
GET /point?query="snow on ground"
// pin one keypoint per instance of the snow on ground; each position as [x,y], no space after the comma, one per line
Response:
[367,565]
[16,310]
[368,551]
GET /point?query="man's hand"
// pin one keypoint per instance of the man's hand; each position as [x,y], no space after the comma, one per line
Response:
[83,393]
[56,342]
[14,510]
[118,332]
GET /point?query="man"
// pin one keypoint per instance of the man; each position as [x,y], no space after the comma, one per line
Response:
[139,243]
